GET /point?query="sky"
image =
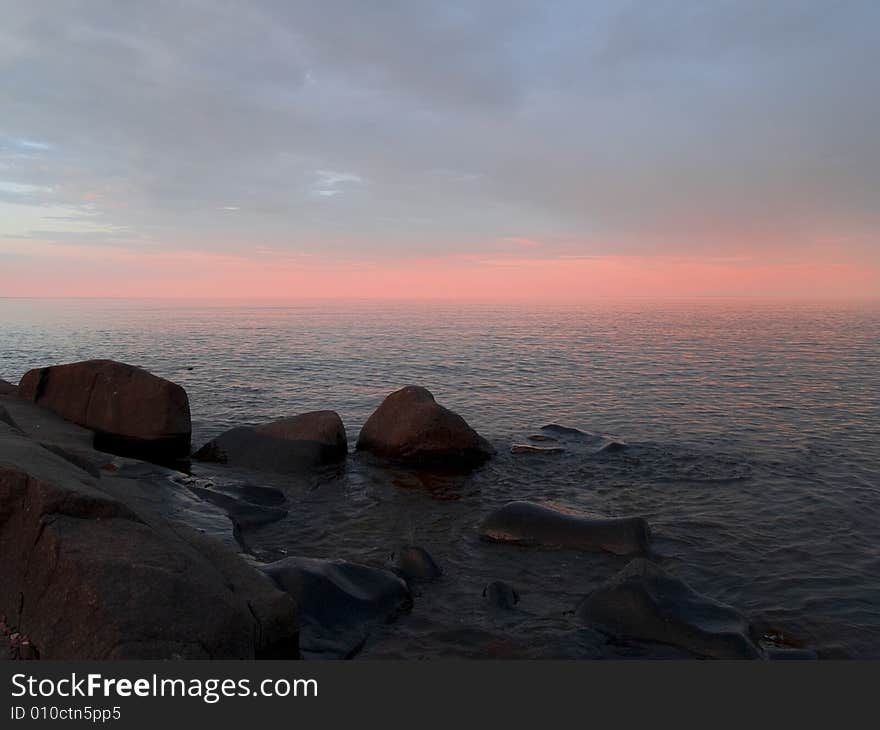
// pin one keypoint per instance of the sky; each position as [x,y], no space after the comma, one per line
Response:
[496,149]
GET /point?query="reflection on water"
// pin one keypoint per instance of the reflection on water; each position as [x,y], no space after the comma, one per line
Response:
[753,436]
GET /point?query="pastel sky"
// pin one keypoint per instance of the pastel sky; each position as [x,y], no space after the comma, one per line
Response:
[497,149]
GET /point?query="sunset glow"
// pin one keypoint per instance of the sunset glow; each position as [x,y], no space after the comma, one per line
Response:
[572,151]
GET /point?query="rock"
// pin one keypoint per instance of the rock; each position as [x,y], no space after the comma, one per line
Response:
[528,523]
[613,446]
[644,602]
[336,592]
[529,449]
[339,602]
[411,427]
[303,441]
[131,411]
[89,572]
[7,388]
[500,595]
[415,563]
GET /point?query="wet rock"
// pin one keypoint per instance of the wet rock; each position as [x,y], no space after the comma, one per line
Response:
[336,592]
[644,602]
[528,523]
[613,446]
[91,573]
[339,601]
[7,388]
[411,427]
[265,496]
[541,450]
[500,595]
[414,563]
[131,411]
[303,441]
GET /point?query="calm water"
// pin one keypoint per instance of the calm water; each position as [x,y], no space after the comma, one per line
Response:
[754,433]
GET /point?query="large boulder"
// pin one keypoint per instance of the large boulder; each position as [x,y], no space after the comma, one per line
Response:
[7,388]
[131,411]
[411,427]
[307,440]
[528,523]
[644,602]
[91,571]
[339,602]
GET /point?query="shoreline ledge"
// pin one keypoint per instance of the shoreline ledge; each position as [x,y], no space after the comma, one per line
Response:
[98,559]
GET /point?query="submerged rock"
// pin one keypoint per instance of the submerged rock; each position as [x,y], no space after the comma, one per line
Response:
[528,523]
[411,427]
[529,449]
[563,430]
[243,514]
[644,602]
[414,563]
[307,440]
[500,595]
[131,411]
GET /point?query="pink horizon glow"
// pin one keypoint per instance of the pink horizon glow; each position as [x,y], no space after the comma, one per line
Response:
[92,272]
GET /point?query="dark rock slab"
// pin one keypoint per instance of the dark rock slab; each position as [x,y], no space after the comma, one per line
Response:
[7,388]
[645,602]
[90,572]
[411,427]
[337,592]
[291,444]
[131,411]
[339,601]
[528,523]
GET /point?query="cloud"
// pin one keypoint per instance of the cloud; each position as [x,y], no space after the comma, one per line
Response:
[330,184]
[675,127]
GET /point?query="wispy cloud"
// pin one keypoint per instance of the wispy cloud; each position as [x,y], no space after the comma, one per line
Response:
[329,183]
[16,188]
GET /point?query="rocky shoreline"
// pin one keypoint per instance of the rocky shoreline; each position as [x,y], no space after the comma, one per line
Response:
[113,550]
